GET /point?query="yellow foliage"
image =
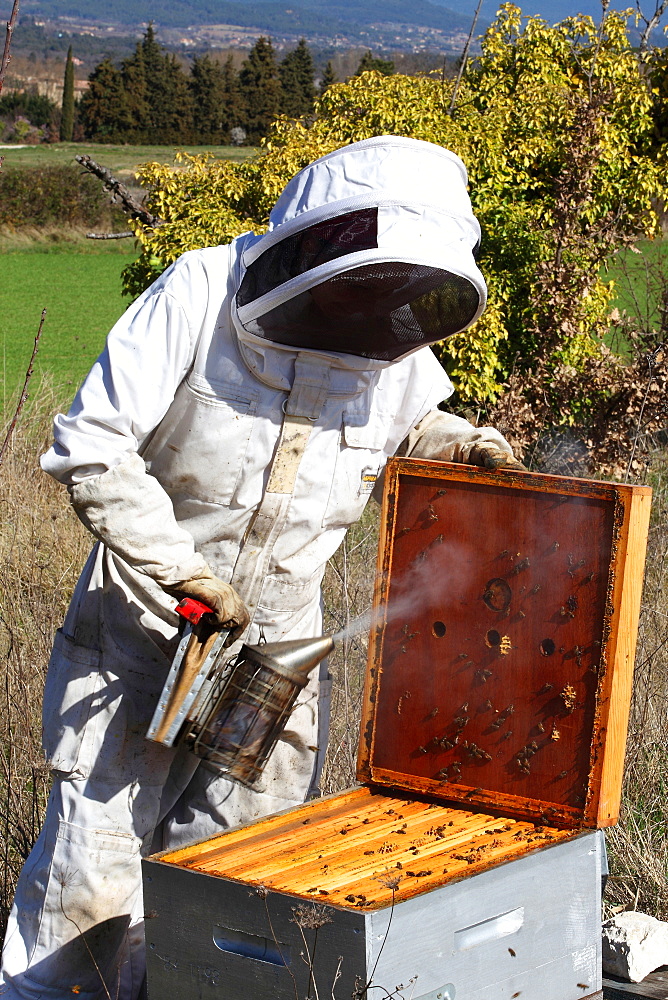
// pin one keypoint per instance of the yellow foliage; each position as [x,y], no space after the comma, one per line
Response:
[515,114]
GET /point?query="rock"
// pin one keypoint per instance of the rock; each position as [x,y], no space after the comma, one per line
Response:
[634,944]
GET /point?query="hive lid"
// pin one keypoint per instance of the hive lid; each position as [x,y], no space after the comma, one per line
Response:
[501,654]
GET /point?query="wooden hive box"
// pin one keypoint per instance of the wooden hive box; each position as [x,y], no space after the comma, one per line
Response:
[467,865]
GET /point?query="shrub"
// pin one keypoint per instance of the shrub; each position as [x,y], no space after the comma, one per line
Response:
[53,195]
[555,126]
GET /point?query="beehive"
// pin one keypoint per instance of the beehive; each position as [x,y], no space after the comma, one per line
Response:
[492,745]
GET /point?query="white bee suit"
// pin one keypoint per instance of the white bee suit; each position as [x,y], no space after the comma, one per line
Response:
[197,440]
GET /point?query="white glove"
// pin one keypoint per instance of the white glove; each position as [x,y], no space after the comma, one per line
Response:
[129,512]
[447,438]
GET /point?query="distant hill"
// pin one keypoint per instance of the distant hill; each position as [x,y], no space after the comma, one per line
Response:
[380,24]
[551,10]
[310,16]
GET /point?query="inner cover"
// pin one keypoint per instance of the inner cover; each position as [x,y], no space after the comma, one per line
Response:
[492,650]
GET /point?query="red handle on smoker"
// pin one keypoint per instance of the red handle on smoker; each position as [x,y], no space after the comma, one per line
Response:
[192,610]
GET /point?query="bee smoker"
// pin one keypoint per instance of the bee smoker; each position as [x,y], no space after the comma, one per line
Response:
[232,713]
[248,713]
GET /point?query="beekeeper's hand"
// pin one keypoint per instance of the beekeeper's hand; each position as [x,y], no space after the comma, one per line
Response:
[229,611]
[447,438]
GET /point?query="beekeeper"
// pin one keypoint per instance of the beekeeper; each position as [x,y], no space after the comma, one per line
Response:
[230,432]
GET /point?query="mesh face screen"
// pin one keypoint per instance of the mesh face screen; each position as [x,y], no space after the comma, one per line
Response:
[380,311]
[308,249]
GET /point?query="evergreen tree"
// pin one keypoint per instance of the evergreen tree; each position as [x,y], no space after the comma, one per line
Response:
[67,113]
[260,89]
[296,73]
[207,88]
[235,112]
[103,107]
[369,61]
[133,71]
[328,78]
[167,94]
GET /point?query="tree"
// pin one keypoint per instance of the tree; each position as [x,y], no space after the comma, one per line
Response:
[133,71]
[167,94]
[260,89]
[235,114]
[328,78]
[207,88]
[371,62]
[67,113]
[103,108]
[296,72]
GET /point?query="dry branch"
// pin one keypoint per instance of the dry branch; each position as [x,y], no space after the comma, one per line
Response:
[110,236]
[650,22]
[11,24]
[121,194]
[465,58]
[24,392]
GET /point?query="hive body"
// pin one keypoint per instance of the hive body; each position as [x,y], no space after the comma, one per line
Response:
[468,865]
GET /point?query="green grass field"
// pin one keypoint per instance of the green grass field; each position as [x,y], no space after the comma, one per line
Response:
[119,159]
[80,287]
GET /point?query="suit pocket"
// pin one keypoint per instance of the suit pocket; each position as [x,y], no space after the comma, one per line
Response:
[359,462]
[73,681]
[200,448]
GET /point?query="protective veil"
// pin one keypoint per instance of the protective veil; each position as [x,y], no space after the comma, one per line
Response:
[369,252]
[234,425]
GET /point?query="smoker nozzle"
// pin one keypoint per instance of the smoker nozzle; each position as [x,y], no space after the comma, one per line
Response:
[294,658]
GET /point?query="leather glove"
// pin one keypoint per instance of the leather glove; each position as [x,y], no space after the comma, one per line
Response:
[229,611]
[490,457]
[448,438]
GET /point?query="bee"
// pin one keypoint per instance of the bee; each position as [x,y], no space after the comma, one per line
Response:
[512,953]
[402,698]
[568,696]
[506,736]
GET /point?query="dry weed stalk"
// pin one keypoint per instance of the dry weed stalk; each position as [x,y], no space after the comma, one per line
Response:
[639,844]
[42,549]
